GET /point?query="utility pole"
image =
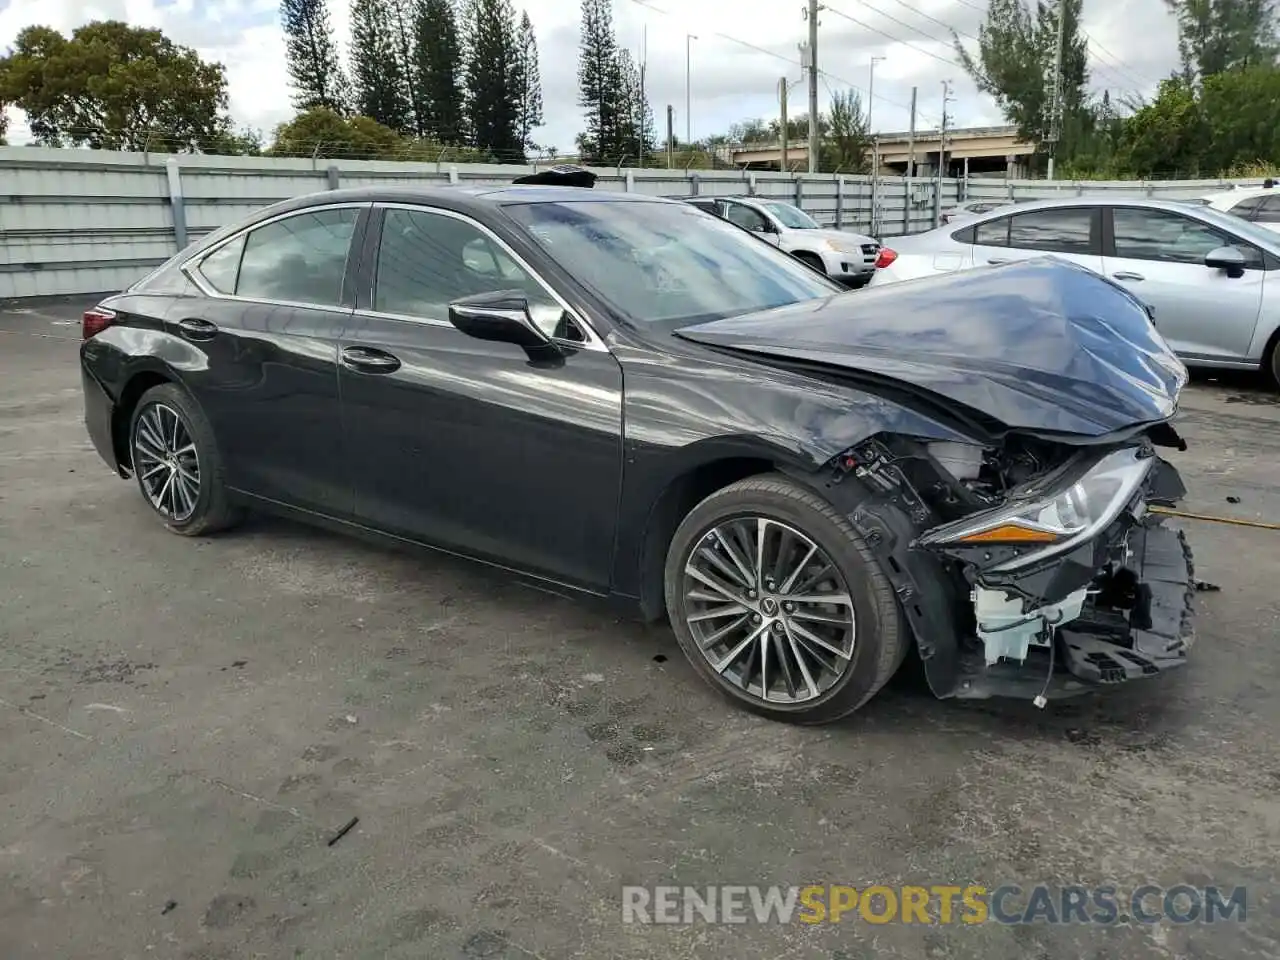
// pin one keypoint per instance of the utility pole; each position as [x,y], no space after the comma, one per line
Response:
[1055,115]
[688,96]
[875,151]
[671,119]
[811,14]
[942,154]
[644,103]
[782,99]
[911,165]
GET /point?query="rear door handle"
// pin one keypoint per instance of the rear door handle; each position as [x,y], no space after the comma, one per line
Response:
[193,328]
[998,260]
[1127,275]
[368,360]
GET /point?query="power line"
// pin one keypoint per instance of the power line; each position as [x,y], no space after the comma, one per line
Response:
[907,43]
[778,56]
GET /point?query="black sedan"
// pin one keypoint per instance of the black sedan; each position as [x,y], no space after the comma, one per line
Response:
[630,398]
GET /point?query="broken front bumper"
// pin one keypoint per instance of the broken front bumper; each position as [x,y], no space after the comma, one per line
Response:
[1135,621]
[1114,607]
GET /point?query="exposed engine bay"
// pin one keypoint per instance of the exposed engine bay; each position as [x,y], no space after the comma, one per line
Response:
[1029,567]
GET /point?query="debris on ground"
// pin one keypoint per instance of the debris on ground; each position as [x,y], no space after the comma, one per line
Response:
[1233,499]
[169,907]
[343,830]
[1204,586]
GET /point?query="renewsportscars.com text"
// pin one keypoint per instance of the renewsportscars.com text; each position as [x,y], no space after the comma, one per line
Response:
[932,904]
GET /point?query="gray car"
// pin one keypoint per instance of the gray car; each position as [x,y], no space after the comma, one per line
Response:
[1212,280]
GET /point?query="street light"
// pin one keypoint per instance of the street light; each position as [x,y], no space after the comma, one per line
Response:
[871,91]
[688,97]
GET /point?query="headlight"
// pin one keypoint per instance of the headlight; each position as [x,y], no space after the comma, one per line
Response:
[1056,521]
[840,246]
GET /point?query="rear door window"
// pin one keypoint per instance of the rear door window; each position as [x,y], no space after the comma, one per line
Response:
[993,233]
[300,259]
[1245,209]
[1059,230]
[1269,210]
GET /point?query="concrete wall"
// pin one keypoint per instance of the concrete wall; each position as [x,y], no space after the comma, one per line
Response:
[82,221]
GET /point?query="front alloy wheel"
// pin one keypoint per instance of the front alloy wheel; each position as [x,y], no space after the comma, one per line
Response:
[167,463]
[779,604]
[769,610]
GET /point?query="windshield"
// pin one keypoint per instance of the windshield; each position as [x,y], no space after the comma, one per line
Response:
[667,263]
[790,216]
[1242,228]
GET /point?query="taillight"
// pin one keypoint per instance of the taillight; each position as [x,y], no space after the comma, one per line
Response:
[886,257]
[95,320]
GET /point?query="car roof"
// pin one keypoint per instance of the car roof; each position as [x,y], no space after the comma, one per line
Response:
[468,197]
[1242,193]
[1094,200]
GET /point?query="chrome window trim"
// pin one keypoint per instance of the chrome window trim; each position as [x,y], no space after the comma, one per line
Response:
[191,266]
[594,341]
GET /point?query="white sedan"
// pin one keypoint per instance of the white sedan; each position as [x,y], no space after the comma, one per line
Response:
[1212,280]
[1260,205]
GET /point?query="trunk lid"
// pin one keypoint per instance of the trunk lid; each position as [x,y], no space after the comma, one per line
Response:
[1041,345]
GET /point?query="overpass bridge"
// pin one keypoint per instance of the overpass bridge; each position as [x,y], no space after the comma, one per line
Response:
[972,150]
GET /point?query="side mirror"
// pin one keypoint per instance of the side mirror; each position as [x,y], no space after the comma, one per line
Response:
[501,316]
[1229,259]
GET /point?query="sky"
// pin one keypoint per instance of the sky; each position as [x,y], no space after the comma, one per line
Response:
[741,51]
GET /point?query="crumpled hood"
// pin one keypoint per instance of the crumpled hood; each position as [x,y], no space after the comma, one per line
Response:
[1040,345]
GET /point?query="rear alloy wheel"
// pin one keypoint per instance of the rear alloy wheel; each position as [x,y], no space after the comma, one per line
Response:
[176,463]
[777,602]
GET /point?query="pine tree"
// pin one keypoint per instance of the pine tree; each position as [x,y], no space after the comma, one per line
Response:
[436,55]
[380,89]
[401,24]
[1215,36]
[599,83]
[636,134]
[491,75]
[315,71]
[530,82]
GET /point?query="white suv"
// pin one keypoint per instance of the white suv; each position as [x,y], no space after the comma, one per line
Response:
[849,258]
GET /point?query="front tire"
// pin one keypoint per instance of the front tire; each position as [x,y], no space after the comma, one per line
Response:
[176,463]
[779,604]
[811,260]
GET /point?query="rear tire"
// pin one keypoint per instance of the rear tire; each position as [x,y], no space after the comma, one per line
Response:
[1273,364]
[177,465]
[752,620]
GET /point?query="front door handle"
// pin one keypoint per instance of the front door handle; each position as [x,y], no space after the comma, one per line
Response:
[193,328]
[368,360]
[1128,275]
[998,260]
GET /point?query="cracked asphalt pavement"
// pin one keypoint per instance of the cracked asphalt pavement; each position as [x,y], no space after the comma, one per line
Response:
[185,724]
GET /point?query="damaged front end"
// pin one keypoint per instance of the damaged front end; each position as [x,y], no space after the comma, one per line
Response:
[1031,569]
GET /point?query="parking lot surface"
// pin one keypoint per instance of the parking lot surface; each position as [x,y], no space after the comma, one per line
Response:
[184,724]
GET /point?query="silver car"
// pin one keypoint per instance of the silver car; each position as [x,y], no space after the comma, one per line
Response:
[1211,279]
[848,258]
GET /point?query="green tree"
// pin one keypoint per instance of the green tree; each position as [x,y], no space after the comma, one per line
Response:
[636,134]
[315,70]
[491,78]
[530,82]
[1167,136]
[401,24]
[380,91]
[1215,36]
[1241,112]
[1014,65]
[436,53]
[599,86]
[114,87]
[846,141]
[322,132]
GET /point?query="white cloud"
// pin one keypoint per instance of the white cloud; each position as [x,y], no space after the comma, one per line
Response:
[729,81]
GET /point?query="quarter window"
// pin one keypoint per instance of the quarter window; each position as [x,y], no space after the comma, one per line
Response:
[221,268]
[1171,237]
[1066,230]
[301,259]
[993,233]
[427,260]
